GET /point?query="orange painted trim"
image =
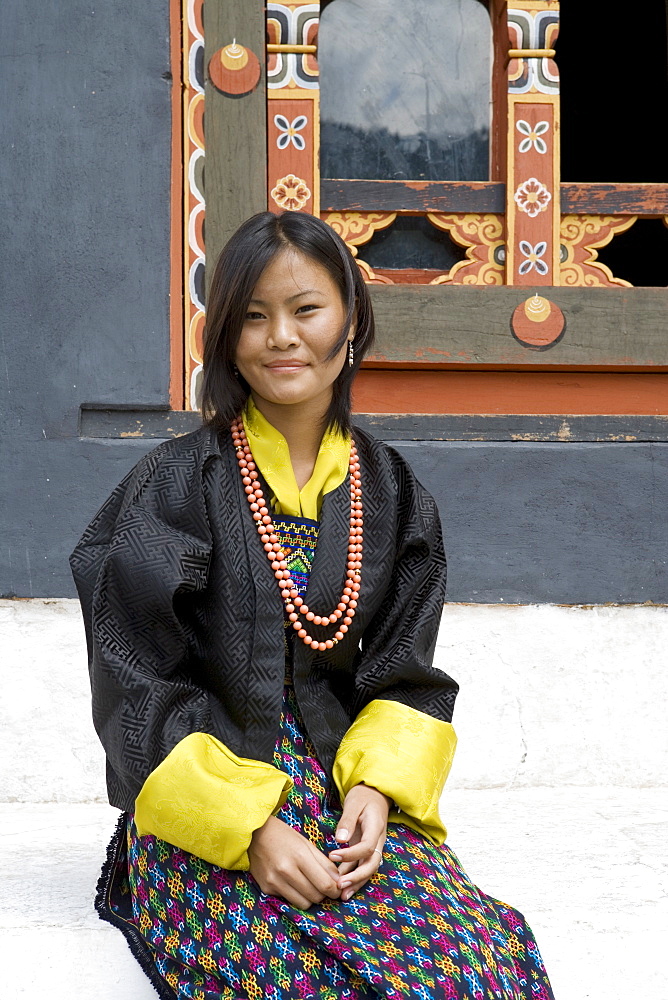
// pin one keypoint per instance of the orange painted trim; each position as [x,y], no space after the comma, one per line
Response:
[176,290]
[408,275]
[426,366]
[510,392]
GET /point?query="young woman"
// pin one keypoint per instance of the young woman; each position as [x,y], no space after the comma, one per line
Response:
[262,599]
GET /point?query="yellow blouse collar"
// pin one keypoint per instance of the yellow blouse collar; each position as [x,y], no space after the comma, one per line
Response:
[271,454]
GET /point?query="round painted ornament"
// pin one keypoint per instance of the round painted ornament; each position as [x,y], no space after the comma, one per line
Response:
[537,323]
[234,70]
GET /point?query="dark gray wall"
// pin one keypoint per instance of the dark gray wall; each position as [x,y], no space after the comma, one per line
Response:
[575,523]
[85,269]
[84,176]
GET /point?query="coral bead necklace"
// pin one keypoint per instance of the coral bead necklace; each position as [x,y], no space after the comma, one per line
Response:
[295,606]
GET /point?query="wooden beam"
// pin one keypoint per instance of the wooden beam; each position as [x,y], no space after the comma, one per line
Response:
[557,429]
[235,128]
[468,326]
[339,195]
[402,390]
[411,196]
[614,199]
[109,423]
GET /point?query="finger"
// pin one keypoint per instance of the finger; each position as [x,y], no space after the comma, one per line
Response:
[337,854]
[349,820]
[325,863]
[301,886]
[291,886]
[354,881]
[321,873]
[345,868]
[371,826]
[295,898]
[357,852]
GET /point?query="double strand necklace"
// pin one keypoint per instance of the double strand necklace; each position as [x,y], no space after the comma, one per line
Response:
[295,607]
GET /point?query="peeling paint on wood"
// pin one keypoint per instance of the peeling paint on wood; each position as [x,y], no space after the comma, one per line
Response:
[616,327]
[614,199]
[161,424]
[486,196]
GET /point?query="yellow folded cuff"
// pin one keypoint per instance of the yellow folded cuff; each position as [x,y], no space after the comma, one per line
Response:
[403,753]
[206,800]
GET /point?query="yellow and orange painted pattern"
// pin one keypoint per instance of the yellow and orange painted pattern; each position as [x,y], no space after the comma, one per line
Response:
[484,238]
[532,185]
[581,236]
[193,259]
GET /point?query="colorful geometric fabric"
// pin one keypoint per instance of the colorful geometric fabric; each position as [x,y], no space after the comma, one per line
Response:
[299,537]
[419,929]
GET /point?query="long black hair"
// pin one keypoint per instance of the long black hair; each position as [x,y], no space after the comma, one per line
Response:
[243,259]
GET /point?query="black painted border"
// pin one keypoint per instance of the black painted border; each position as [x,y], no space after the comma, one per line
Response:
[138,422]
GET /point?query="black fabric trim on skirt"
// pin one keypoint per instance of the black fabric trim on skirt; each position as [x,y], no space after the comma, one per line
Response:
[113,903]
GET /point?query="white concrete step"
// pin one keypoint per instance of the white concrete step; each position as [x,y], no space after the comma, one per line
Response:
[549,696]
[588,868]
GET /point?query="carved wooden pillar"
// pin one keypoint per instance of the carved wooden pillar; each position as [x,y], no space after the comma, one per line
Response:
[293,111]
[532,201]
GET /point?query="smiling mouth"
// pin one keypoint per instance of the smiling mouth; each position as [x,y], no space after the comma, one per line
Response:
[286,366]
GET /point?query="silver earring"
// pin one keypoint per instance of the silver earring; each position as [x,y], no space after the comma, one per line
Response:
[351,354]
[236,371]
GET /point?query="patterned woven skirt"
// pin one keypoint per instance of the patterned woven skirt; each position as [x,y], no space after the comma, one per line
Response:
[418,929]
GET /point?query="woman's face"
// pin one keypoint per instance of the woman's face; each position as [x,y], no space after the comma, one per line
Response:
[293,321]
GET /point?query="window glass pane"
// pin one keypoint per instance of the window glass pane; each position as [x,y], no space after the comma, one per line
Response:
[405,89]
[411,242]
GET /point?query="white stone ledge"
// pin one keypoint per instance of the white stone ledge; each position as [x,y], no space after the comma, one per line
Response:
[554,695]
[568,697]
[549,695]
[587,868]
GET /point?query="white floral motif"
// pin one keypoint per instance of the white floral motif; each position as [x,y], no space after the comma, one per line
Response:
[291,193]
[532,257]
[532,197]
[288,131]
[533,136]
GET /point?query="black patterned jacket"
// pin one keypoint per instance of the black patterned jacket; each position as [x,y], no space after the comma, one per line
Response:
[184,620]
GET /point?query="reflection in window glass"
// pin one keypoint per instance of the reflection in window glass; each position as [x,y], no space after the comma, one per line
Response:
[411,242]
[405,89]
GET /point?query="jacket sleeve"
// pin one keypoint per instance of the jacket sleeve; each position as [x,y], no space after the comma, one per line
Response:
[402,740]
[145,551]
[208,801]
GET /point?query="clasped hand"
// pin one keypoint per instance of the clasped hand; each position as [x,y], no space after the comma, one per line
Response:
[284,863]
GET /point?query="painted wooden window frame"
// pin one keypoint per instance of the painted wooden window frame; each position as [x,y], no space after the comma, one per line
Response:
[476,318]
